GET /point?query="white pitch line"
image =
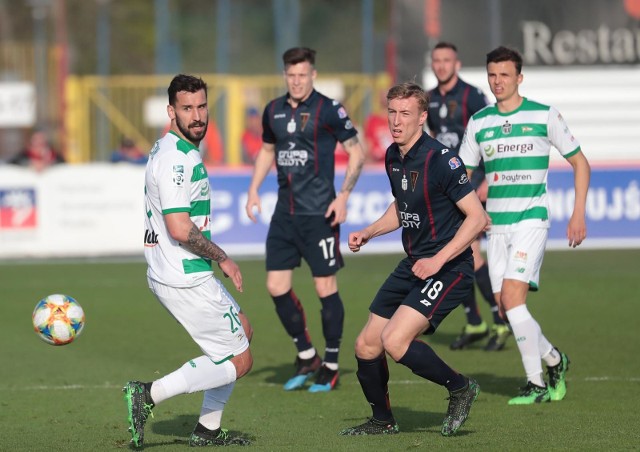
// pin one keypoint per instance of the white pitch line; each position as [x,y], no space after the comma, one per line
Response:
[111,386]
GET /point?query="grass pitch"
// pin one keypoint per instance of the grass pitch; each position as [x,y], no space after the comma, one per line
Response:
[68,398]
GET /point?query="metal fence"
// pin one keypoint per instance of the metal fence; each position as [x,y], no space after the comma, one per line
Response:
[99,111]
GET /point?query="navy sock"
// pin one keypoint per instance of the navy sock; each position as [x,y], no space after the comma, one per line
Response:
[471,308]
[332,314]
[292,316]
[373,375]
[424,362]
[484,284]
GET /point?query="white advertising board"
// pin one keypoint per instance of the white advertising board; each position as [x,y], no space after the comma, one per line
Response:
[80,210]
[17,104]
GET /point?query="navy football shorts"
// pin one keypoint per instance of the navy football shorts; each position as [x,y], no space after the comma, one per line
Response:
[434,298]
[293,237]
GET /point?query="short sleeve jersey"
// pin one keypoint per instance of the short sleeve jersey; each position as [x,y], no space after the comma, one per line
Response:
[449,114]
[305,139]
[426,184]
[515,147]
[175,181]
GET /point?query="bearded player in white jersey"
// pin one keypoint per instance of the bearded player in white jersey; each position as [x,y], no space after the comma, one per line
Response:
[179,253]
[514,137]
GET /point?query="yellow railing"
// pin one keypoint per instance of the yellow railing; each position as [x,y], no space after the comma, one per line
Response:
[115,106]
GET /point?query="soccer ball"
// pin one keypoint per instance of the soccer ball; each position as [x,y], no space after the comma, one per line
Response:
[58,319]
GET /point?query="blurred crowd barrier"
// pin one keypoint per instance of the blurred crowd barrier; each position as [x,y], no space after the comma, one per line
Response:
[601,105]
[96,209]
[102,110]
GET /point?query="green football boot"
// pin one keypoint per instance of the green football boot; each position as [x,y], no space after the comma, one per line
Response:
[531,394]
[557,382]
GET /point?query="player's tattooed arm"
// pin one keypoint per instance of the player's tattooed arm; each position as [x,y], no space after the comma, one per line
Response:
[203,247]
[356,161]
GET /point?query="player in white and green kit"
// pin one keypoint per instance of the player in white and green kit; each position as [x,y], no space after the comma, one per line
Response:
[514,136]
[179,253]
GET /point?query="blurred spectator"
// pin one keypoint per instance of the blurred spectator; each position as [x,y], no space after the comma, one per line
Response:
[211,147]
[376,131]
[38,154]
[252,136]
[129,152]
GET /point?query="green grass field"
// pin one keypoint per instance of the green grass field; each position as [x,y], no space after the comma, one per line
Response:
[69,398]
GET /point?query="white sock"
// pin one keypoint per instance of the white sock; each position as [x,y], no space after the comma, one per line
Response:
[198,374]
[527,334]
[213,405]
[331,366]
[158,393]
[551,357]
[307,354]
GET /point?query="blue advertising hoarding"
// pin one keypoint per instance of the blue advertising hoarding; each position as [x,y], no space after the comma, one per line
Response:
[613,209]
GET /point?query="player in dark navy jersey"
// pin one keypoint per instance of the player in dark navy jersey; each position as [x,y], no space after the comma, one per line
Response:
[300,132]
[451,104]
[453,101]
[440,216]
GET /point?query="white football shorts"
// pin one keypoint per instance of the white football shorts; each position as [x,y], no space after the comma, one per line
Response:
[209,314]
[516,255]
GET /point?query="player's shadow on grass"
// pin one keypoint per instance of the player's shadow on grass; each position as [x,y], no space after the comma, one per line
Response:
[180,426]
[417,421]
[412,420]
[279,374]
[445,339]
[497,384]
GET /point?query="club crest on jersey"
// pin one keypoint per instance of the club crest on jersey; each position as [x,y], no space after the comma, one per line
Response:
[204,188]
[414,179]
[506,128]
[291,126]
[442,112]
[304,117]
[452,104]
[178,175]
[454,163]
[405,183]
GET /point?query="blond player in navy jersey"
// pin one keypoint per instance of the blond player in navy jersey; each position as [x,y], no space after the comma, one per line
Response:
[179,254]
[440,216]
[514,137]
